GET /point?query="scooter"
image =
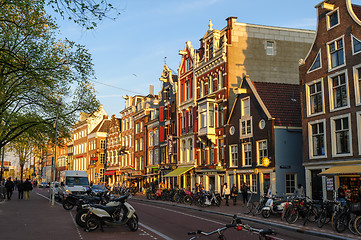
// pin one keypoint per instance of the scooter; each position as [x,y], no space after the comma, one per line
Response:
[84,206]
[274,205]
[120,213]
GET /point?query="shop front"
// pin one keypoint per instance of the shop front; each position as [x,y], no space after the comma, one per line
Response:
[336,176]
[180,177]
[212,179]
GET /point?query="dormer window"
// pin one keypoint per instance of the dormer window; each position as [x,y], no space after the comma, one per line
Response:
[356,45]
[332,19]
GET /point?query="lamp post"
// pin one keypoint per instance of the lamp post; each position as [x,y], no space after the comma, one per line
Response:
[53,172]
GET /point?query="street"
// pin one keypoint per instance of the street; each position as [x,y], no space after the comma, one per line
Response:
[35,218]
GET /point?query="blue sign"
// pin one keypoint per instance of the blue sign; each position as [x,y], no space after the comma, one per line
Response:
[96,174]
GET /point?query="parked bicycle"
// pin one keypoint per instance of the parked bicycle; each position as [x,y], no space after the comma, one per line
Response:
[254,207]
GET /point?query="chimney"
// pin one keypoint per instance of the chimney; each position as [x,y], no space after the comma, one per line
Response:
[151,89]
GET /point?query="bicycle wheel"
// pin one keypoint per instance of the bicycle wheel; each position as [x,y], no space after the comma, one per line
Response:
[351,224]
[357,225]
[334,217]
[322,218]
[341,223]
[312,214]
[292,215]
[284,212]
[187,200]
[250,208]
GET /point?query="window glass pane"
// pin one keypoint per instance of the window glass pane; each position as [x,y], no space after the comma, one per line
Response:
[333,19]
[356,45]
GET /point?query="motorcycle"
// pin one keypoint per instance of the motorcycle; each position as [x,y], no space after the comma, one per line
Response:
[71,200]
[210,198]
[274,205]
[120,213]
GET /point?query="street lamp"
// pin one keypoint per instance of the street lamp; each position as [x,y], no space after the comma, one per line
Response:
[53,172]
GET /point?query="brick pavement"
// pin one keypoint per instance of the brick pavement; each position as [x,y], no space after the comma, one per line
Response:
[311,228]
[30,219]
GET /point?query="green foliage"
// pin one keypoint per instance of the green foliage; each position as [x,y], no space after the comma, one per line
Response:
[41,78]
[87,13]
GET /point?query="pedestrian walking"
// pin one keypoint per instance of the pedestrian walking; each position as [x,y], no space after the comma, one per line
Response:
[244,191]
[21,189]
[9,185]
[27,188]
[234,194]
[226,192]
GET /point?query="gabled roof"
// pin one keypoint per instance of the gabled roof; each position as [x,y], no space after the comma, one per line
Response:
[282,101]
[103,126]
[357,10]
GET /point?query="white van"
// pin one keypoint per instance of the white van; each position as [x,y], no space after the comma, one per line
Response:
[75,182]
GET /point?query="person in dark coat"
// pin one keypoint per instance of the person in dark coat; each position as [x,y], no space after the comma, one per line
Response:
[21,189]
[9,185]
[244,191]
[27,188]
[234,194]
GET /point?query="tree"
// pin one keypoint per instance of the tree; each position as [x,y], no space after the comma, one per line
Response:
[87,13]
[23,149]
[42,79]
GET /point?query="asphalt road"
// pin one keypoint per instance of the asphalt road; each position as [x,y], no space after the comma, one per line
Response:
[36,219]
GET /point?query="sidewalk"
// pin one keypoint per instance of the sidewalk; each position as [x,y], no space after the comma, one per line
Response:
[35,218]
[311,228]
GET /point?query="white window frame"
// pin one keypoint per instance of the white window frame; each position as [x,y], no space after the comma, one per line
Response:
[330,91]
[246,119]
[244,155]
[295,183]
[310,142]
[356,78]
[329,27]
[352,43]
[243,106]
[270,51]
[308,98]
[330,68]
[259,161]
[333,135]
[151,157]
[233,150]
[318,54]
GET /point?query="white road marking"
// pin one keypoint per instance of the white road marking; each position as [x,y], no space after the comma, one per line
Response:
[156,232]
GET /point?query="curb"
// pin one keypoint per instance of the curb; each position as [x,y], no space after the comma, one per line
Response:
[286,227]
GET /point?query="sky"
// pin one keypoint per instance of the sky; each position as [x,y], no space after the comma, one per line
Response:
[129,53]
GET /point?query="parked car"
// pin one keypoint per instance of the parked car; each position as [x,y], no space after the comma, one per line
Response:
[43,185]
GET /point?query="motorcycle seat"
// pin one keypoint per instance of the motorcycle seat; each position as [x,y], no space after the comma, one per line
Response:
[107,208]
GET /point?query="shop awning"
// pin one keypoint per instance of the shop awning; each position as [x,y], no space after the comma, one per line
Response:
[112,172]
[178,171]
[342,170]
